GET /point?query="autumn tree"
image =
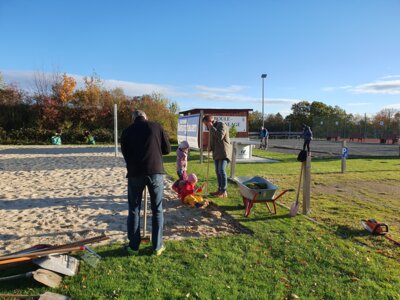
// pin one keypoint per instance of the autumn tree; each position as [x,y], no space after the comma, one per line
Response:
[63,90]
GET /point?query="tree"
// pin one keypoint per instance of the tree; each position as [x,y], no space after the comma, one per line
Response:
[90,96]
[64,89]
[301,113]
[2,83]
[255,121]
[11,95]
[44,83]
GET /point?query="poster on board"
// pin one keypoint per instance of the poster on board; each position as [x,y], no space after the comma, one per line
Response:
[188,130]
[240,122]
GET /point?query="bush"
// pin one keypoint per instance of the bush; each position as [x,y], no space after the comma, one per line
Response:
[103,135]
[26,136]
[33,136]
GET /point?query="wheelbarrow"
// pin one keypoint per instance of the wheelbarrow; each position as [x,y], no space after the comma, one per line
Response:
[256,189]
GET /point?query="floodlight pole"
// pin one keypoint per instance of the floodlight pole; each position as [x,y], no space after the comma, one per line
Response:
[263,76]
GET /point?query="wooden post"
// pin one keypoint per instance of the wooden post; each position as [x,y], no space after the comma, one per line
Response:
[144,211]
[307,185]
[344,155]
[233,160]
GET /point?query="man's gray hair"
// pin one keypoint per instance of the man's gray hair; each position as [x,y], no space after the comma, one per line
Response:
[138,113]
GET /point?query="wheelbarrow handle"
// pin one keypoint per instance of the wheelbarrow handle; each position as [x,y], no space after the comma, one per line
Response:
[283,193]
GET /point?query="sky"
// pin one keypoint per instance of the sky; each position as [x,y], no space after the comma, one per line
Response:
[211,53]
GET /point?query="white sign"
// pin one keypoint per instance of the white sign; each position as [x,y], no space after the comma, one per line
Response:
[188,130]
[240,122]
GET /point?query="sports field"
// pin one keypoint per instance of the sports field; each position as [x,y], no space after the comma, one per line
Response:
[325,148]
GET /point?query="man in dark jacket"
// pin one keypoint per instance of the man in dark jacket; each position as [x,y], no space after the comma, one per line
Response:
[143,144]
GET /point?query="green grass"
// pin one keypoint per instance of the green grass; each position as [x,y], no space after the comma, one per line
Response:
[282,256]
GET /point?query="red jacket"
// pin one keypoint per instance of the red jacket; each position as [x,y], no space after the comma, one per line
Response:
[184,188]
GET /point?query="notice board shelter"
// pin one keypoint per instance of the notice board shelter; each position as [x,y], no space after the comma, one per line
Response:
[188,120]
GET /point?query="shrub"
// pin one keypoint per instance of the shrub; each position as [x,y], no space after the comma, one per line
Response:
[103,135]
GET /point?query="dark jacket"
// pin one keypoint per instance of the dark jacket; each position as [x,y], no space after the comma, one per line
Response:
[307,133]
[143,144]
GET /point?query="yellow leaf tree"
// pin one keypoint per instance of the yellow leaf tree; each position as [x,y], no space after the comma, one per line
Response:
[64,89]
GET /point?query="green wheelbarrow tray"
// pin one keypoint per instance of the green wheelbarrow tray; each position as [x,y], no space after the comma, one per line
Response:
[256,189]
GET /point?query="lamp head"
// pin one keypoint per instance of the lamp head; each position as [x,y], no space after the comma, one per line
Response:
[263,75]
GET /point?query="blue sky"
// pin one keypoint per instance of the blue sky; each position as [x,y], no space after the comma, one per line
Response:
[212,53]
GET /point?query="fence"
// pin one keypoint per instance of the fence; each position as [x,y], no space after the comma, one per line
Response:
[332,129]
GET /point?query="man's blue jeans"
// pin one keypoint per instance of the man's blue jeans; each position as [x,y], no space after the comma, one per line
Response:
[136,185]
[220,170]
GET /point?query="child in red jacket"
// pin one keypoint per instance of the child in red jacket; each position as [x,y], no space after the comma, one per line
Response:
[187,190]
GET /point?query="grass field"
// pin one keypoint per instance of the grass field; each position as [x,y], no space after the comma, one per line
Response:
[283,257]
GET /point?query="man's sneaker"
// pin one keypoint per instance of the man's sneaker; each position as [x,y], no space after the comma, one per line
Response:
[222,195]
[159,251]
[130,251]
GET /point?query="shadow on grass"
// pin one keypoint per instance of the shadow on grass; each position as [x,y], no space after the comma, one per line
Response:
[227,208]
[145,250]
[271,217]
[348,232]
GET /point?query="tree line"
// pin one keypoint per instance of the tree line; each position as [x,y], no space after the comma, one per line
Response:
[328,121]
[57,103]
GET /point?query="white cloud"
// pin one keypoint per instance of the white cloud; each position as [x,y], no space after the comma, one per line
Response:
[335,88]
[388,85]
[390,76]
[229,94]
[25,80]
[135,89]
[229,89]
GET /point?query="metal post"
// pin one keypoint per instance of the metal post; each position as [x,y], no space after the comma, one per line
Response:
[344,151]
[116,129]
[263,76]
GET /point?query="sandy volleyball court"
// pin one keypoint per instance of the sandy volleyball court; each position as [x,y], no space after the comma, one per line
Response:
[63,194]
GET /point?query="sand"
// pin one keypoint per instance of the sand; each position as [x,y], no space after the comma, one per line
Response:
[62,194]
